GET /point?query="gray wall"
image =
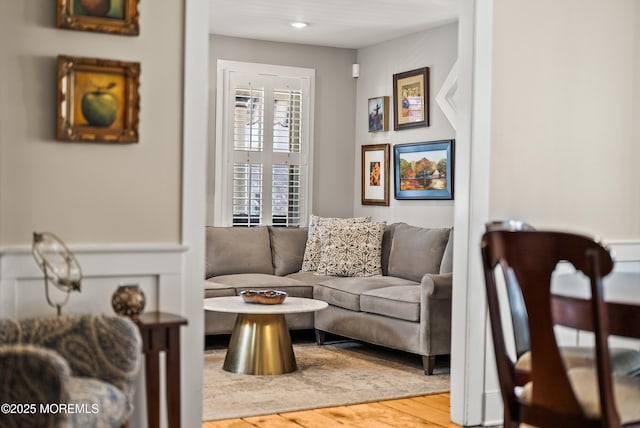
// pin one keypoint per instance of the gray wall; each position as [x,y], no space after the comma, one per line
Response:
[436,49]
[334,129]
[87,192]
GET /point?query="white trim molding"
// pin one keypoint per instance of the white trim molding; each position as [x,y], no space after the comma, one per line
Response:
[446,96]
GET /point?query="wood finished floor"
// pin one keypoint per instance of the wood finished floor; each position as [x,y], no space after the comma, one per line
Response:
[423,411]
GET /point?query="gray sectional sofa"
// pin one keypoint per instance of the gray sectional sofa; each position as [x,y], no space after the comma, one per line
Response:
[408,307]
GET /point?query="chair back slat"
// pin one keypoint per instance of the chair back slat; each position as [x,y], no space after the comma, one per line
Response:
[533,256]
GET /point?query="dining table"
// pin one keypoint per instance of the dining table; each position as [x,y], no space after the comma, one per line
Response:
[621,294]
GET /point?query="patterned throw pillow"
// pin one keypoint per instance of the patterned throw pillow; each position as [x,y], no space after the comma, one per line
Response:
[351,249]
[312,250]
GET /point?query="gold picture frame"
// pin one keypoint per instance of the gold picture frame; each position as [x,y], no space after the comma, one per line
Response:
[411,99]
[103,16]
[375,174]
[98,100]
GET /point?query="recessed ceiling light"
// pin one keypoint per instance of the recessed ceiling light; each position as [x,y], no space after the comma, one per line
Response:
[298,24]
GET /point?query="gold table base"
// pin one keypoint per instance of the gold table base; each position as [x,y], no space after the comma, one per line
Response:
[260,345]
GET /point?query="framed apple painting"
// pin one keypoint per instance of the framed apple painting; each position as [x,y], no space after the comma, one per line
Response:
[98,100]
[104,16]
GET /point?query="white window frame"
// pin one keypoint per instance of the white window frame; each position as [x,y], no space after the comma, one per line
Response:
[223,185]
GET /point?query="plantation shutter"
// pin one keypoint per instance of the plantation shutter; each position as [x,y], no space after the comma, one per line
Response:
[268,147]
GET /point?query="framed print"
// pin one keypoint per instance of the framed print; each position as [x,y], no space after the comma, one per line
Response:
[375,174]
[378,114]
[98,100]
[424,170]
[411,99]
[104,16]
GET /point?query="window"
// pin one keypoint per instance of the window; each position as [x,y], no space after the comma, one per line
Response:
[263,145]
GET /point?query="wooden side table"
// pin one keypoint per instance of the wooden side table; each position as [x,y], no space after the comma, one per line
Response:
[160,331]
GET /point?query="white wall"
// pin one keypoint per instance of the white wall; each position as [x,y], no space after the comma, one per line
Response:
[566,115]
[436,49]
[564,129]
[334,121]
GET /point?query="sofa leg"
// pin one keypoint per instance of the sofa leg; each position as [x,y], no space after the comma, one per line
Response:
[320,336]
[428,364]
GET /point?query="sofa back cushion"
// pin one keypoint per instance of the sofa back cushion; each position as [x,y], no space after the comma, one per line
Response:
[447,258]
[416,251]
[287,248]
[238,250]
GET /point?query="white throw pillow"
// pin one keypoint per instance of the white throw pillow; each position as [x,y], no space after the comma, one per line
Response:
[353,249]
[312,250]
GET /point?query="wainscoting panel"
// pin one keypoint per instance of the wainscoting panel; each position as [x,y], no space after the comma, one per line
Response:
[156,268]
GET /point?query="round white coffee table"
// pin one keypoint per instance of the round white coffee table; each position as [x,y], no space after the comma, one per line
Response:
[260,342]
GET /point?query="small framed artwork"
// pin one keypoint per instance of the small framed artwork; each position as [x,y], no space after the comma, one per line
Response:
[98,100]
[378,114]
[411,99]
[424,170]
[104,16]
[375,174]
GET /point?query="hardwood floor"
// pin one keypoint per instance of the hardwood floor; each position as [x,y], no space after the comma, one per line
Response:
[424,411]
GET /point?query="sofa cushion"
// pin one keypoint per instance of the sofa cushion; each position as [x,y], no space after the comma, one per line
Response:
[416,251]
[238,250]
[312,250]
[310,278]
[287,248]
[260,281]
[216,289]
[346,292]
[400,301]
[387,239]
[447,258]
[351,249]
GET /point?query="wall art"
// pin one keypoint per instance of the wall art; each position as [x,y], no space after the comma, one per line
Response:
[98,100]
[411,99]
[104,16]
[424,170]
[375,174]
[378,114]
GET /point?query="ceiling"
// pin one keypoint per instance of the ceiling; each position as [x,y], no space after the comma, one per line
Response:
[337,23]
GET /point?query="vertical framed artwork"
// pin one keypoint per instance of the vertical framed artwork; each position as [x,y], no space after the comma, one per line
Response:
[424,170]
[411,99]
[104,16]
[378,114]
[375,174]
[98,100]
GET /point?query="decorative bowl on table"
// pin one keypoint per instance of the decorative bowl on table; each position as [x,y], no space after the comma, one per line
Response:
[263,297]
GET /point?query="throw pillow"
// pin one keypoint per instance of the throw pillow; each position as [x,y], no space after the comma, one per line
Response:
[312,250]
[416,251]
[351,249]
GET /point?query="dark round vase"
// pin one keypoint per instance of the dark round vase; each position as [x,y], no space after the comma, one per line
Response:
[128,300]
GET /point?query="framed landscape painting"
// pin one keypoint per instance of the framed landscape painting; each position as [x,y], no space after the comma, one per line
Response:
[375,174]
[378,114]
[105,16]
[424,170]
[98,100]
[411,99]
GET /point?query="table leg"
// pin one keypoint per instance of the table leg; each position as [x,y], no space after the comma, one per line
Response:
[173,377]
[260,345]
[152,366]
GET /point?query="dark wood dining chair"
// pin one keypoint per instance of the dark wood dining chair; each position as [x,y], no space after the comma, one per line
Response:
[558,396]
[624,361]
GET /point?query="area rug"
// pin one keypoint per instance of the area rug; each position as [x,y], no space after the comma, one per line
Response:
[330,375]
